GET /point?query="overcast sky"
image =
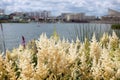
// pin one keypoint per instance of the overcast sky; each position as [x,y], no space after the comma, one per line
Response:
[90,7]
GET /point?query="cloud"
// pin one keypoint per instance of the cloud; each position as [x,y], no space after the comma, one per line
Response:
[91,7]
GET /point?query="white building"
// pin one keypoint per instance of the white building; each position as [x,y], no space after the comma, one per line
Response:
[76,17]
[39,14]
[73,16]
[45,14]
[1,11]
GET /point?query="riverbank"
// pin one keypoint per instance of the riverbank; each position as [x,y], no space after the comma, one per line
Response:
[93,21]
[6,21]
[105,22]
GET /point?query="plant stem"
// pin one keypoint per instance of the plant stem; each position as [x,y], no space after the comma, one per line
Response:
[4,47]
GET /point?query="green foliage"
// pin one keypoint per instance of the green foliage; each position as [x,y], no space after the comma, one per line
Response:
[115,26]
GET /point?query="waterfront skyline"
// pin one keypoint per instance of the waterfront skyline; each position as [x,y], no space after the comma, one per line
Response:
[90,7]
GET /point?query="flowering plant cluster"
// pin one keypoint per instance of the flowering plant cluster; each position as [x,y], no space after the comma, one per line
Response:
[55,59]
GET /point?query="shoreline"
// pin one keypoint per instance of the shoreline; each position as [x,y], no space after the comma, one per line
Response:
[98,22]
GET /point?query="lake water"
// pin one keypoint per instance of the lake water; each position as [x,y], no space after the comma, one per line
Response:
[14,31]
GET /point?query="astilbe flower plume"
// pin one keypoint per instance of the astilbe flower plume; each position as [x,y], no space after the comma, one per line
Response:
[50,59]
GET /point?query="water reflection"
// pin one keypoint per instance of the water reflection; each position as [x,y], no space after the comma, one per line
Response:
[83,31]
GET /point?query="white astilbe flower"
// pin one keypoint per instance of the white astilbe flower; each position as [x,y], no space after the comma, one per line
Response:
[13,55]
[109,72]
[95,49]
[117,75]
[72,53]
[10,70]
[113,78]
[25,65]
[2,69]
[116,55]
[41,71]
[83,61]
[49,59]
[63,45]
[105,56]
[104,40]
[107,59]
[107,64]
[114,41]
[96,72]
[78,42]
[43,42]
[53,57]
[77,45]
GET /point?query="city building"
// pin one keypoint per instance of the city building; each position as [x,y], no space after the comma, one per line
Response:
[17,16]
[45,14]
[89,18]
[72,16]
[112,15]
[36,15]
[76,17]
[2,11]
[3,16]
